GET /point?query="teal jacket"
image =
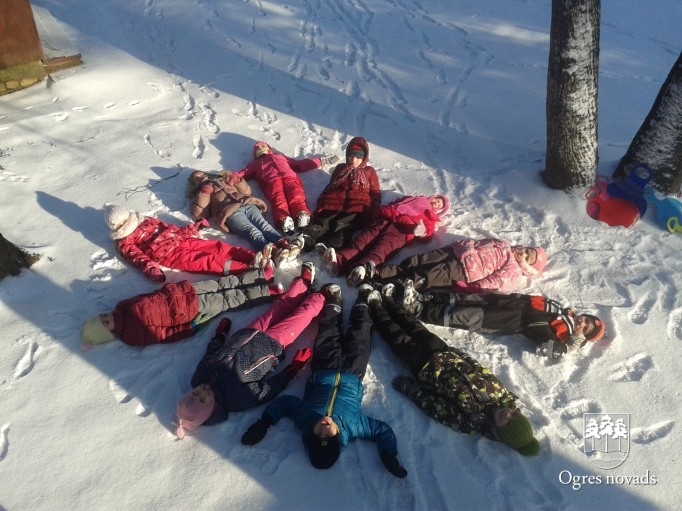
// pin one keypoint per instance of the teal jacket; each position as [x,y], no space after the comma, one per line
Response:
[338,395]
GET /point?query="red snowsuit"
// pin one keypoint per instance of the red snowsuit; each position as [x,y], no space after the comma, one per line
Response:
[155,243]
[391,231]
[276,175]
[159,317]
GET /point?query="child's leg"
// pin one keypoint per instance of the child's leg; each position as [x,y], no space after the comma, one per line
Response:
[288,329]
[268,232]
[438,268]
[283,306]
[295,194]
[389,241]
[207,256]
[342,228]
[317,229]
[406,336]
[213,302]
[358,340]
[274,191]
[240,224]
[346,257]
[327,349]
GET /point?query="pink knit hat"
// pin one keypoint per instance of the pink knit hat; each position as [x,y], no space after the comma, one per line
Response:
[191,413]
[540,259]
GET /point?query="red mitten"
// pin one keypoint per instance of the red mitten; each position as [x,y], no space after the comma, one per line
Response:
[201,224]
[206,189]
[298,362]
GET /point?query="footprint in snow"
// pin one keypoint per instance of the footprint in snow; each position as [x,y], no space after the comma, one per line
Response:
[640,313]
[27,362]
[675,326]
[577,408]
[4,441]
[652,433]
[632,369]
[14,178]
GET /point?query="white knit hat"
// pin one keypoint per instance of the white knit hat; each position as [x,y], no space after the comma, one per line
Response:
[94,332]
[120,221]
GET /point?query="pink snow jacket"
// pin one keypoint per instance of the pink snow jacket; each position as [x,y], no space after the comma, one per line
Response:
[151,242]
[488,264]
[406,212]
[159,317]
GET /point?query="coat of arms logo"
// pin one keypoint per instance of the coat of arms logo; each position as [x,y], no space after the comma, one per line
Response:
[606,438]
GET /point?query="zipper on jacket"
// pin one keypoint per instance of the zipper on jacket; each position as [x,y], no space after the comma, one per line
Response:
[332,398]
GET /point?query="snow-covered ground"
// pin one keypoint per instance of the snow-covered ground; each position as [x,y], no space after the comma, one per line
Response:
[451,96]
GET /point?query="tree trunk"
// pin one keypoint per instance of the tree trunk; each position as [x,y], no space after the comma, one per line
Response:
[572,78]
[658,142]
[13,259]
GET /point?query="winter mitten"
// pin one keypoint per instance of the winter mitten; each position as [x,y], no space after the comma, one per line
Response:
[329,160]
[552,349]
[206,189]
[257,431]
[577,341]
[420,229]
[390,461]
[224,326]
[154,273]
[407,386]
[201,224]
[298,362]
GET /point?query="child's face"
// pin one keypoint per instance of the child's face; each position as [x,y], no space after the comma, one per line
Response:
[503,416]
[107,320]
[584,325]
[354,161]
[525,254]
[437,203]
[205,394]
[198,177]
[325,428]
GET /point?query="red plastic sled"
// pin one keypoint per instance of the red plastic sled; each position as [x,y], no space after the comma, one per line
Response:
[612,211]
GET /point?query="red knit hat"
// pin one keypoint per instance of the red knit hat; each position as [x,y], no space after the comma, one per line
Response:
[355,150]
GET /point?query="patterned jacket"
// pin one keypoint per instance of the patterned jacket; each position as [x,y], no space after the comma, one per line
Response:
[488,264]
[237,367]
[459,392]
[338,395]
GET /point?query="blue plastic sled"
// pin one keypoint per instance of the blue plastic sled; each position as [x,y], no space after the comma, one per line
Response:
[668,211]
[632,187]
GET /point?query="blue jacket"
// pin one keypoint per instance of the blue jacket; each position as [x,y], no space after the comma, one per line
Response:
[338,395]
